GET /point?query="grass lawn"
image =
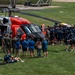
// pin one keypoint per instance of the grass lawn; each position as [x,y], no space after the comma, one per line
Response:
[58,62]
[65,13]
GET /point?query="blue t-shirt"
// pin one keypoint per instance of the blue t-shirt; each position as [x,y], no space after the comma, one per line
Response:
[52,32]
[25,43]
[59,32]
[7,57]
[17,45]
[74,31]
[64,30]
[31,44]
[72,37]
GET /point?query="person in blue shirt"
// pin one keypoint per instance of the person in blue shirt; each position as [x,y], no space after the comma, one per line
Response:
[74,31]
[17,47]
[59,36]
[25,46]
[64,28]
[67,40]
[44,47]
[72,42]
[7,57]
[52,35]
[32,47]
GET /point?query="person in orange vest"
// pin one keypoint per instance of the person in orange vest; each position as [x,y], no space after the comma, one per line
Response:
[43,29]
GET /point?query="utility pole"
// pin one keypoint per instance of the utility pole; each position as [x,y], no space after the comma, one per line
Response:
[13,6]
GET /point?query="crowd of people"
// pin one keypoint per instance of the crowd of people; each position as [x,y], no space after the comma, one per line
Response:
[57,34]
[25,47]
[61,35]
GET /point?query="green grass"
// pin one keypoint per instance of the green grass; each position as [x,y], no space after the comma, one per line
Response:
[58,62]
[65,13]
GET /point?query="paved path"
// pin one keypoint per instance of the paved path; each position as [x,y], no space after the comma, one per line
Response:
[22,7]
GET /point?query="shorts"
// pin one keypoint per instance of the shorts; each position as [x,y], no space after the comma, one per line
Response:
[60,38]
[67,43]
[52,38]
[10,61]
[31,49]
[17,49]
[44,49]
[24,49]
[73,41]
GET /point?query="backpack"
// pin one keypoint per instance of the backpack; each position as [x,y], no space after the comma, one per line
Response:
[7,57]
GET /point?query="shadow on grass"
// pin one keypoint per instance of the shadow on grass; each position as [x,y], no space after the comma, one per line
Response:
[56,51]
[28,57]
[3,63]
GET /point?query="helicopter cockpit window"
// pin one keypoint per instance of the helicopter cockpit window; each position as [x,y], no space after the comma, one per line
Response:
[31,28]
[34,28]
[37,28]
[27,30]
